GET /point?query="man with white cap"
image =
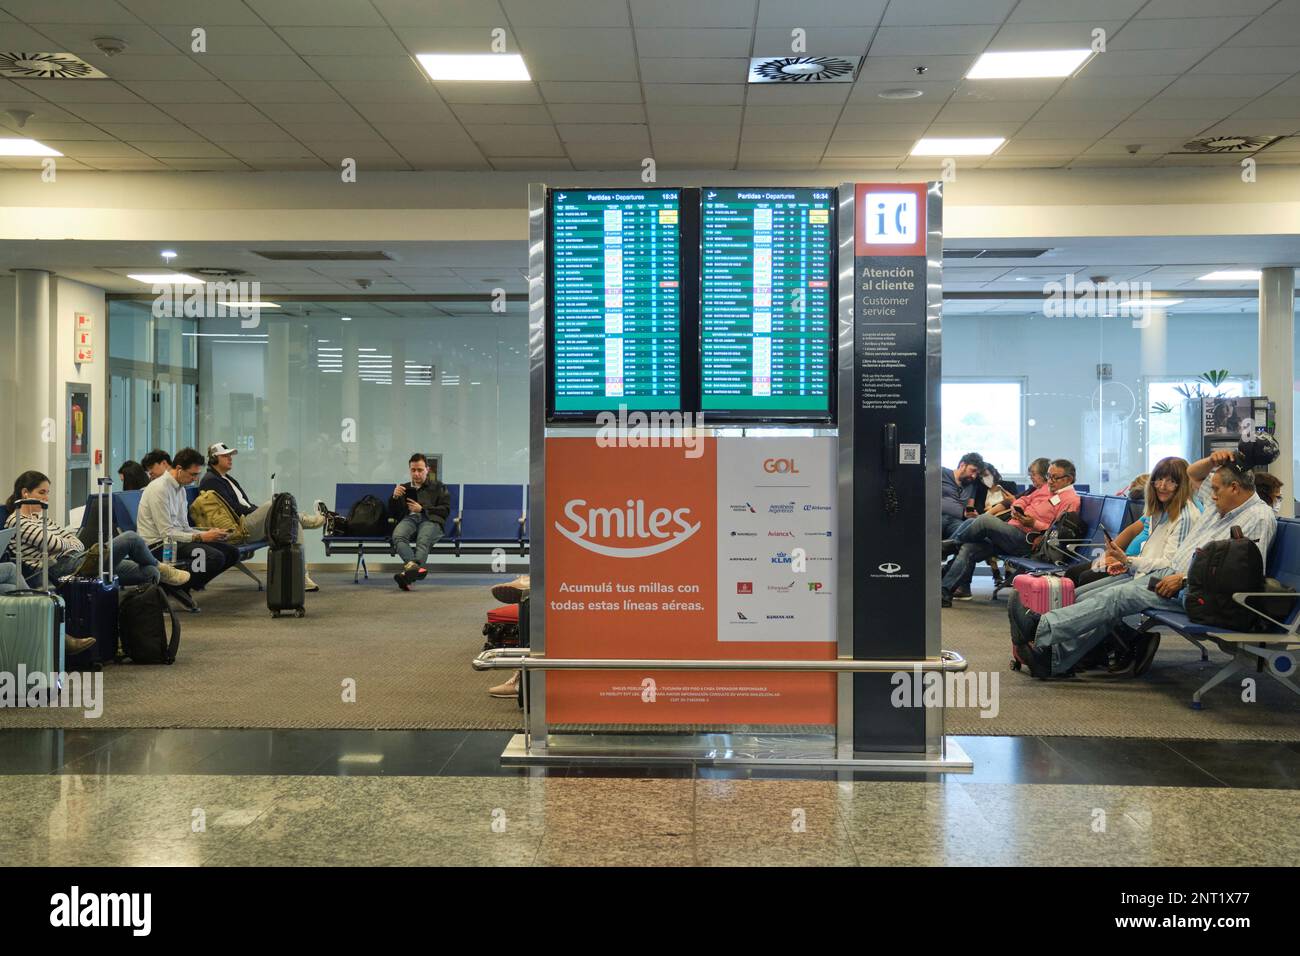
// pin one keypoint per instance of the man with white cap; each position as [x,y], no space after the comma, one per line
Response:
[221,460]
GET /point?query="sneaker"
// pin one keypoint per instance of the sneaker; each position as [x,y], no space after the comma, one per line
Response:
[75,645]
[310,521]
[509,690]
[174,576]
[1145,652]
[948,548]
[512,592]
[405,576]
[1038,659]
[961,594]
[421,574]
[308,584]
[1024,622]
[945,598]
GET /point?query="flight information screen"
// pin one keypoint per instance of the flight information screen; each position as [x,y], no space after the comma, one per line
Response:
[766,260]
[615,300]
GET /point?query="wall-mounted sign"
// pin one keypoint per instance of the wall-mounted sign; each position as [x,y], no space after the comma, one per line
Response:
[83,337]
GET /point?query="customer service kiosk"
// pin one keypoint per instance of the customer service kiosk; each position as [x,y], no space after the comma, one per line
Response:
[734,477]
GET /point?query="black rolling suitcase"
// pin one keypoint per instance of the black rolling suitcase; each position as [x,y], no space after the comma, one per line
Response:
[286,573]
[92,602]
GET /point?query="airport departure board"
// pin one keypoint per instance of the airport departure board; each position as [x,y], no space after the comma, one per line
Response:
[766,259]
[615,301]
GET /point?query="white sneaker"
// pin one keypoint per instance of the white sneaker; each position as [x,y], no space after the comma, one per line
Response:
[310,521]
[308,583]
[173,576]
[512,592]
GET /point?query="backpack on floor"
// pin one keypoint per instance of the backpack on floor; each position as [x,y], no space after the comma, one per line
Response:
[368,517]
[1219,569]
[282,522]
[142,616]
[210,510]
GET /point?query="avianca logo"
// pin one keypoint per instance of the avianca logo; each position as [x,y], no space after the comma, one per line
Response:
[656,531]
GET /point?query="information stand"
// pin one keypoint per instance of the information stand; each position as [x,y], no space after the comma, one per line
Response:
[702,593]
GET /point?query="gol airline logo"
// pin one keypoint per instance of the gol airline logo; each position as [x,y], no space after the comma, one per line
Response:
[780,466]
[646,531]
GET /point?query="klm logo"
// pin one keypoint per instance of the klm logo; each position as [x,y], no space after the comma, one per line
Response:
[890,219]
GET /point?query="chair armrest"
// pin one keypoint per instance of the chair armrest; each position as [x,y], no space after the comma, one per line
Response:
[1241,596]
[1077,549]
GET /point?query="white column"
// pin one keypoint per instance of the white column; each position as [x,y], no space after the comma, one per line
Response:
[37,416]
[1276,367]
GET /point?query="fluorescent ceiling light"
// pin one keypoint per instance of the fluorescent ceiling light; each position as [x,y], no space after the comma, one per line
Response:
[240,304]
[930,146]
[164,278]
[1027,64]
[1231,275]
[1148,303]
[474,67]
[25,147]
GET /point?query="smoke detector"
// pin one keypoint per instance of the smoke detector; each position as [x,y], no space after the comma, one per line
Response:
[109,46]
[803,69]
[47,66]
[1229,144]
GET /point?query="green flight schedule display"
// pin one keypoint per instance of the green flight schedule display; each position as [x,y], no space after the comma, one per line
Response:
[766,260]
[615,300]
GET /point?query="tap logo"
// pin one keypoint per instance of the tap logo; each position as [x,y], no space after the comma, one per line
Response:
[815,586]
[646,531]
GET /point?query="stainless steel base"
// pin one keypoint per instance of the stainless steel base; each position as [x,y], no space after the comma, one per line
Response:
[722,750]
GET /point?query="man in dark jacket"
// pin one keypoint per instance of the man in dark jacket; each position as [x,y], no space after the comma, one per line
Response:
[958,489]
[421,507]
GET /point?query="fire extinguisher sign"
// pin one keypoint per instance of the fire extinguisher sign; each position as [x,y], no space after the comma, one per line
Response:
[83,337]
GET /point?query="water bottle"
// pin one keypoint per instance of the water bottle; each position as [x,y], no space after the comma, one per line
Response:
[169,550]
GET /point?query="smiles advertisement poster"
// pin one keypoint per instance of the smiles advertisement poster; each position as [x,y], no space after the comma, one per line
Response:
[721,551]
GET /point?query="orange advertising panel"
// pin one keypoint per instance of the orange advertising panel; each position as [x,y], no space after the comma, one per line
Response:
[632,571]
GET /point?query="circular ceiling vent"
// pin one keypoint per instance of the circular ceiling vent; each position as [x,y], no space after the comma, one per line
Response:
[47,66]
[803,69]
[216,272]
[1229,144]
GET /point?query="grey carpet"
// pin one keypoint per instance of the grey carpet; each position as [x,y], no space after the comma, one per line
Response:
[409,654]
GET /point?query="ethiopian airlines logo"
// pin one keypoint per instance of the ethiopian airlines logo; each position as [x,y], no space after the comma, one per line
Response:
[631,531]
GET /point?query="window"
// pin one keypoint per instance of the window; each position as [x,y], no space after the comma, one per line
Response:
[1175,432]
[984,416]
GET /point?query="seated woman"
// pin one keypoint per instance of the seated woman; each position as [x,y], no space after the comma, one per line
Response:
[1269,488]
[133,475]
[1167,517]
[132,562]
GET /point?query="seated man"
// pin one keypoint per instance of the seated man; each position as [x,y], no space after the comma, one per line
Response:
[164,513]
[988,536]
[958,486]
[1053,643]
[420,506]
[155,463]
[221,459]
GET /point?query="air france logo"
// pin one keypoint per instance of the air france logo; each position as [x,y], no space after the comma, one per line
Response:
[647,531]
[890,219]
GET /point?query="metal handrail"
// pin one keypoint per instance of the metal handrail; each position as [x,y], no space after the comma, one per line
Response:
[504,658]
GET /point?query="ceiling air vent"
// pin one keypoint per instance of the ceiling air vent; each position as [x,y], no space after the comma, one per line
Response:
[47,66]
[323,255]
[215,272]
[803,69]
[1228,144]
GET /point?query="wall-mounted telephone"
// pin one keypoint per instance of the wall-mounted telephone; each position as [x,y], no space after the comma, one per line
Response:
[889,454]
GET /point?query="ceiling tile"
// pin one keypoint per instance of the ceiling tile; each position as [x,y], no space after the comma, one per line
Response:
[694,70]
[505,94]
[488,114]
[1147,62]
[999,91]
[229,40]
[119,113]
[417,90]
[795,13]
[224,133]
[870,132]
[1272,29]
[1098,86]
[784,115]
[626,134]
[1175,34]
[1044,147]
[215,113]
[1141,130]
[452,13]
[301,113]
[606,156]
[160,92]
[588,68]
[210,13]
[695,94]
[181,69]
[290,91]
[92,149]
[407,132]
[817,41]
[591,92]
[395,68]
[206,164]
[797,94]
[1075,35]
[1004,128]
[883,111]
[898,70]
[509,140]
[319,132]
[506,163]
[897,148]
[1155,9]
[438,39]
[697,42]
[184,150]
[69,11]
[585,13]
[1114,110]
[565,41]
[237,68]
[1048,129]
[35,129]
[691,13]
[423,111]
[694,115]
[965,112]
[936,12]
[723,133]
[698,156]
[336,150]
[334,13]
[931,41]
[150,133]
[78,38]
[1266,59]
[1207,110]
[421,156]
[1211,86]
[805,134]
[345,41]
[598,113]
[87,91]
[143,164]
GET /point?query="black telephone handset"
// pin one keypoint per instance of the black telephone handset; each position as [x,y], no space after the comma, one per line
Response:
[889,454]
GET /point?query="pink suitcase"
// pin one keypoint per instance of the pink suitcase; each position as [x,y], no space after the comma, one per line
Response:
[1044,592]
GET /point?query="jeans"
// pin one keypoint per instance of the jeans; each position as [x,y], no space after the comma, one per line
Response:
[132,562]
[984,537]
[9,580]
[424,531]
[216,558]
[1073,631]
[951,525]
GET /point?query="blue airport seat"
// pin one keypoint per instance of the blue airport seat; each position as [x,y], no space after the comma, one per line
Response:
[1094,510]
[346,494]
[494,515]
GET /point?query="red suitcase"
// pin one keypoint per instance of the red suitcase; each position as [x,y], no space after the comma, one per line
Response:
[502,627]
[1044,592]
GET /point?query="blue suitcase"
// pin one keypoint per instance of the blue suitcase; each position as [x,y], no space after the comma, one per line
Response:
[92,601]
[31,620]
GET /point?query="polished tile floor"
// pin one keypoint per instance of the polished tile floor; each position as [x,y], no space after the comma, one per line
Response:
[219,797]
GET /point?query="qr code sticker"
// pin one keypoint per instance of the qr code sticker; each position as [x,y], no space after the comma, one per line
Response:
[909,454]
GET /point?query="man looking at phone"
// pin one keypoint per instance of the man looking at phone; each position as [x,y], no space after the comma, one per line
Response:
[164,513]
[988,536]
[1054,642]
[958,491]
[420,506]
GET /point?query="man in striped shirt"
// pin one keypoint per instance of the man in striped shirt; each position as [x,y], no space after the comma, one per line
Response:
[1054,642]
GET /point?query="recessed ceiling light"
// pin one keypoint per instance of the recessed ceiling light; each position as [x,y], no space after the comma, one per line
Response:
[1149,303]
[168,255]
[931,146]
[900,93]
[345,318]
[248,305]
[164,278]
[1028,64]
[25,147]
[1231,275]
[474,67]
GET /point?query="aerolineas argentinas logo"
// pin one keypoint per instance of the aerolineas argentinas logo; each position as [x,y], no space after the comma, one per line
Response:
[631,531]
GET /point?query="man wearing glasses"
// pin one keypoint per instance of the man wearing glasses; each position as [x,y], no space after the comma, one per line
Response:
[988,535]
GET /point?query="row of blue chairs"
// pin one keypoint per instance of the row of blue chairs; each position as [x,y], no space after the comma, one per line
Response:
[1113,512]
[483,518]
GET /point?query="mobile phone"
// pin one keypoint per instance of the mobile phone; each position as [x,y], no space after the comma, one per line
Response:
[1106,535]
[1152,583]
